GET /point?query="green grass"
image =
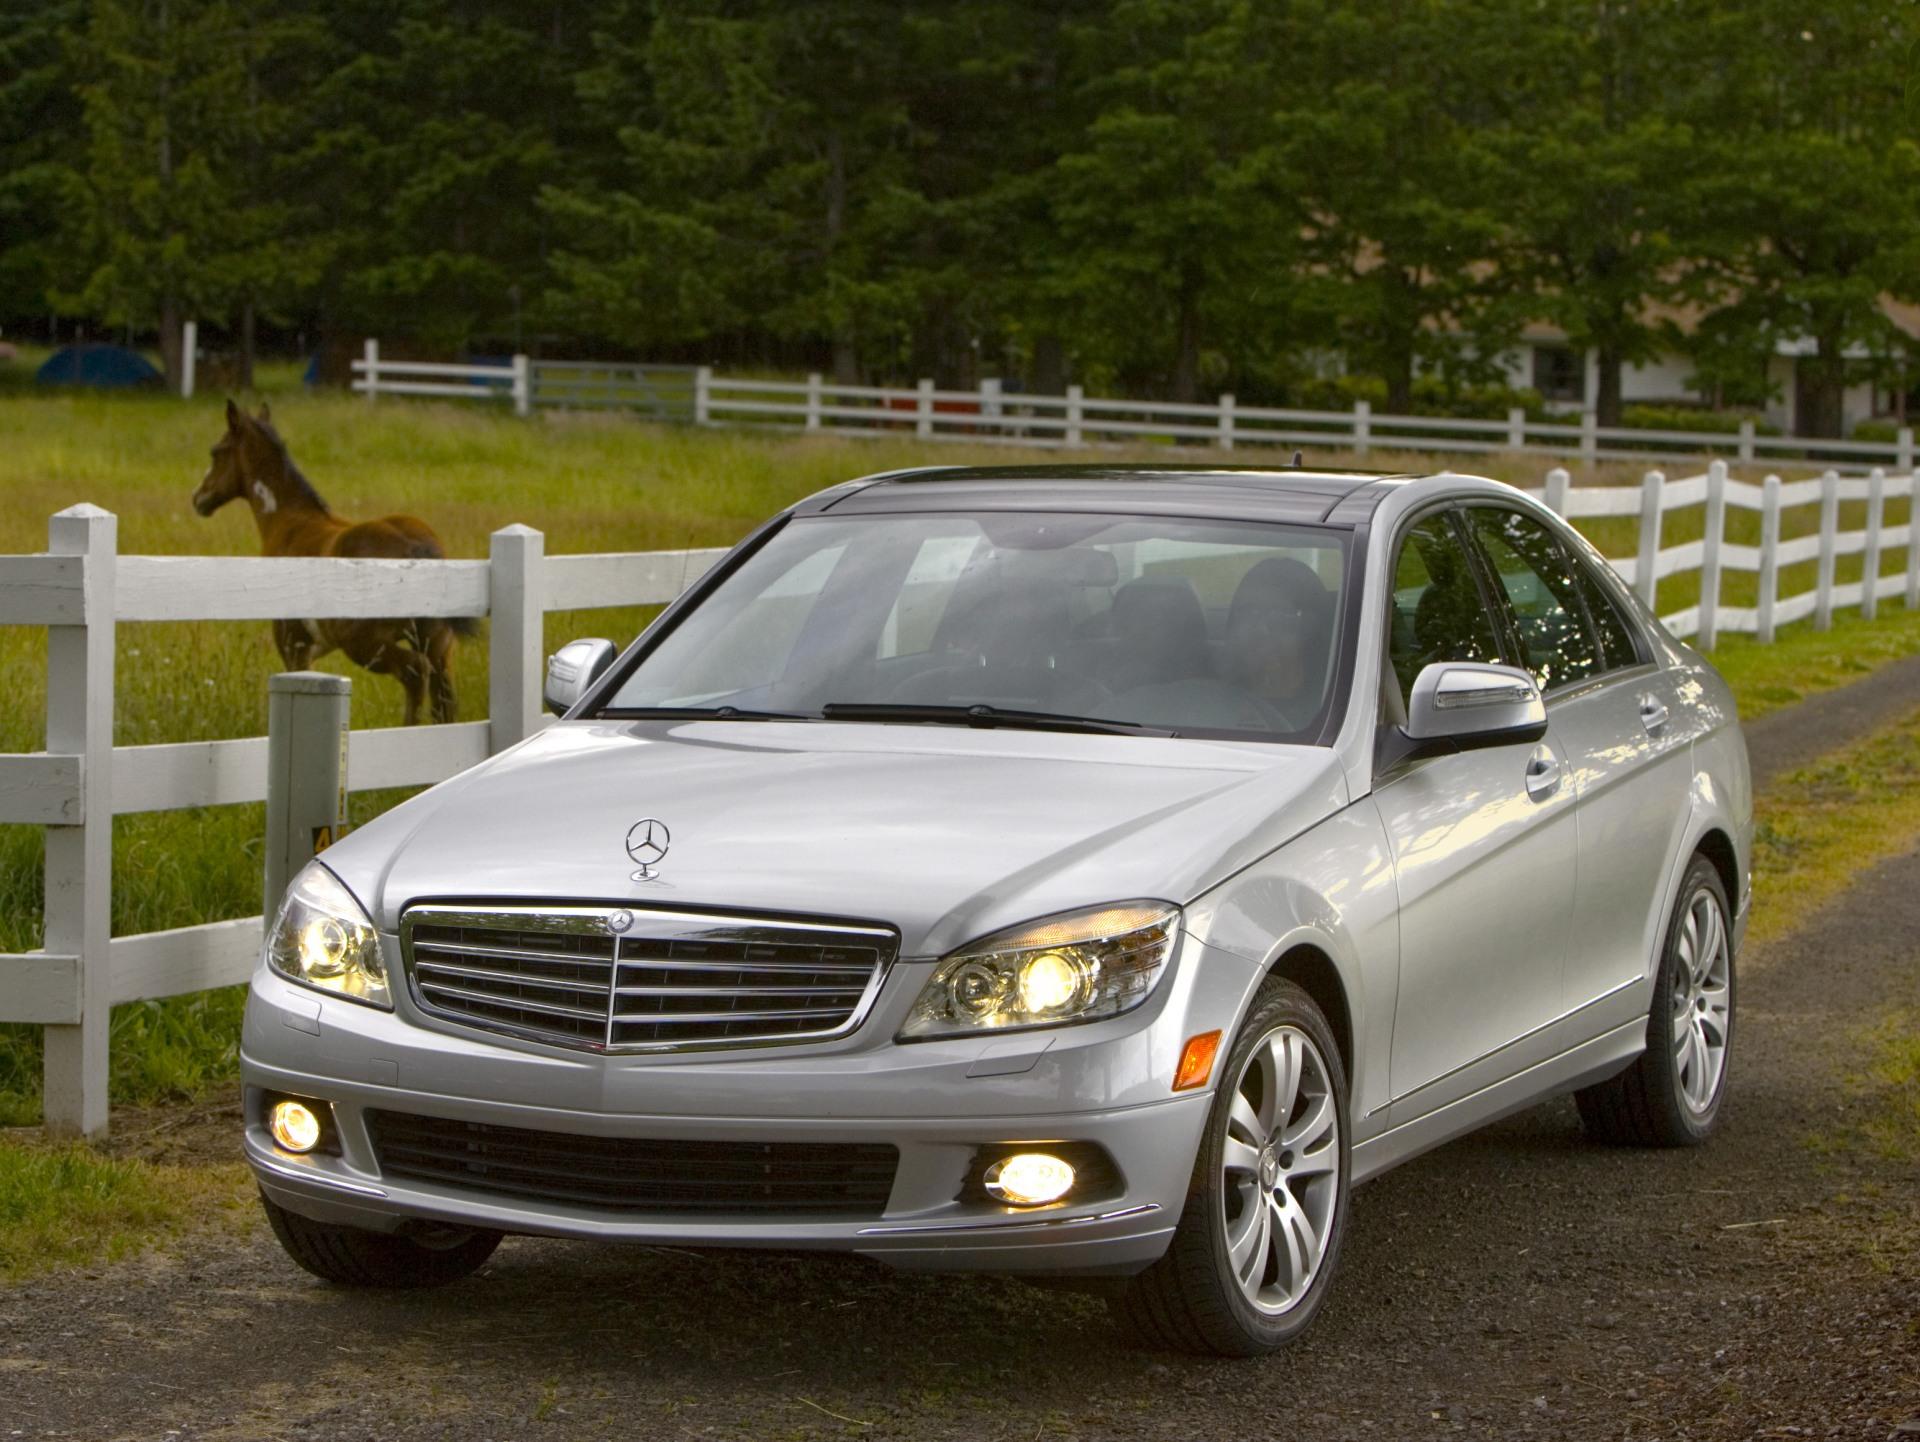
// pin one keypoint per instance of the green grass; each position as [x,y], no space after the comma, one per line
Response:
[63,1205]
[591,483]
[1817,829]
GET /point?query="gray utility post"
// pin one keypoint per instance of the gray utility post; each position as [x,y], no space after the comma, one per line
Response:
[306,774]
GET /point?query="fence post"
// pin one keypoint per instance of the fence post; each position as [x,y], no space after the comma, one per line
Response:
[1558,482]
[515,650]
[1646,576]
[1870,559]
[990,404]
[923,410]
[814,382]
[1226,421]
[1589,436]
[79,859]
[370,355]
[1516,429]
[307,727]
[703,395]
[1769,557]
[189,343]
[1913,542]
[1362,426]
[1903,450]
[522,385]
[1709,632]
[1074,395]
[1746,439]
[1829,533]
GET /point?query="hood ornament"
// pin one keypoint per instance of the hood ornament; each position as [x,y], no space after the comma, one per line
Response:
[647,844]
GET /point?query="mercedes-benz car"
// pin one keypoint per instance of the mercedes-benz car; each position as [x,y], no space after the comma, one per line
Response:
[1088,873]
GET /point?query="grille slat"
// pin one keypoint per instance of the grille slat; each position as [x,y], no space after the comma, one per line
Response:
[518,978]
[661,980]
[638,1175]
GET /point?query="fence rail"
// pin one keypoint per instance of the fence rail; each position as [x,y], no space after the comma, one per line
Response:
[1076,420]
[81,587]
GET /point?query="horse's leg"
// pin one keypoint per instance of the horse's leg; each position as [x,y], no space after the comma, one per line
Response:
[295,644]
[381,647]
[440,654]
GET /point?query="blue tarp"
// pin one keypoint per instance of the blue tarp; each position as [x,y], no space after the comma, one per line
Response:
[97,365]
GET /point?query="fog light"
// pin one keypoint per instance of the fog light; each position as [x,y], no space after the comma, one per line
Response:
[294,1126]
[1029,1179]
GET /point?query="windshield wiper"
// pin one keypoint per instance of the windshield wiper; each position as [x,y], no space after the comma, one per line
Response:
[984,715]
[701,713]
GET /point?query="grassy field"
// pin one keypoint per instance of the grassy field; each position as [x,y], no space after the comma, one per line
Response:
[591,483]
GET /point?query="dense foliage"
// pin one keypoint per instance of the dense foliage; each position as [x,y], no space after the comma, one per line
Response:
[1171,196]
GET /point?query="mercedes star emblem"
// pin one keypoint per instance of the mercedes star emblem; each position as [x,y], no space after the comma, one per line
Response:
[647,844]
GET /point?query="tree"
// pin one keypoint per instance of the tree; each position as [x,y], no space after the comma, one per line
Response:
[172,214]
[435,126]
[39,141]
[1403,195]
[764,176]
[1177,235]
[1815,196]
[1602,172]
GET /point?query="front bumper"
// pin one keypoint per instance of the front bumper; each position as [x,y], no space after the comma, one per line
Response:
[1106,1083]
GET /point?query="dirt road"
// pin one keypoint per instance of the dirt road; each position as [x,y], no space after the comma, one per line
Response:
[1520,1283]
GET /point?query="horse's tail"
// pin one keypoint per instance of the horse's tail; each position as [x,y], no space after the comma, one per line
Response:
[428,549]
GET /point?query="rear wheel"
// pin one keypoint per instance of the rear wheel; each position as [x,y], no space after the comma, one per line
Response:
[1256,1245]
[356,1257]
[1671,1096]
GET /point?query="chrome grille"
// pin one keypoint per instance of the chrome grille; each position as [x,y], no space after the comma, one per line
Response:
[619,979]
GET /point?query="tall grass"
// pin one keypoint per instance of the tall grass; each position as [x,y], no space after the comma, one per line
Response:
[591,483]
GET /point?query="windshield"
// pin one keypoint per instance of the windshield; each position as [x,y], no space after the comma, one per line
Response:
[1190,626]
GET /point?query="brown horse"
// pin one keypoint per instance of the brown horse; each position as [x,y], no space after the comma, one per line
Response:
[252,461]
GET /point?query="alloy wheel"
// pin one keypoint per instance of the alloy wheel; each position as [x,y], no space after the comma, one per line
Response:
[1281,1170]
[1702,997]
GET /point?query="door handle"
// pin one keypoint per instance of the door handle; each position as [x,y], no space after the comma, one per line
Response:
[1653,714]
[1543,774]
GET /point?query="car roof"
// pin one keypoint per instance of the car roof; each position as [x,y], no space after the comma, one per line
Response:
[1263,493]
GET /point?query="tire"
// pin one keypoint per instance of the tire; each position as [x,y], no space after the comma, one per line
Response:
[1191,1299]
[1672,1095]
[356,1257]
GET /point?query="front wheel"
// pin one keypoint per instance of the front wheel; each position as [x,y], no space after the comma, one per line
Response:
[1255,1248]
[356,1257]
[1671,1096]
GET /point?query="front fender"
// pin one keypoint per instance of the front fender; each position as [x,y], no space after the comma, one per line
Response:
[1331,889]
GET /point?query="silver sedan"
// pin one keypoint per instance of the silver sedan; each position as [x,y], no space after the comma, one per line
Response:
[1085,873]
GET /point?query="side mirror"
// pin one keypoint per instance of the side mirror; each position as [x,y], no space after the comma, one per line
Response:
[572,669]
[1463,705]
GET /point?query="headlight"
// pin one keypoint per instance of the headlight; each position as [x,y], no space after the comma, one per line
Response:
[1078,967]
[322,938]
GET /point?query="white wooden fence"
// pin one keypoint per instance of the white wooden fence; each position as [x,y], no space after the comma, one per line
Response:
[1076,420]
[80,588]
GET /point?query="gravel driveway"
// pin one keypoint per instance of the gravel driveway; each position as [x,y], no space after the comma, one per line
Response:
[1517,1283]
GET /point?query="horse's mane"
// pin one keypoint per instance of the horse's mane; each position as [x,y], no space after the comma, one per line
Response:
[300,484]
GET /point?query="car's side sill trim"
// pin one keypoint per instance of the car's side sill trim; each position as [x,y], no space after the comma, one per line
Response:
[1507,1045]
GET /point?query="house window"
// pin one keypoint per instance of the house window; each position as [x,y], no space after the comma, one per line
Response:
[1557,373]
